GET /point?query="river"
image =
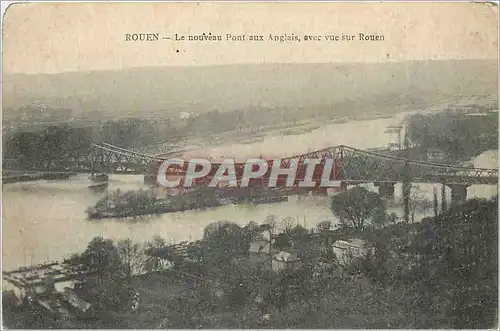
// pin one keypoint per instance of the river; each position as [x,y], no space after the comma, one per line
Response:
[46,221]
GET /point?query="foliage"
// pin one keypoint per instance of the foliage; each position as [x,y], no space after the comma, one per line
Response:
[454,133]
[157,252]
[110,294]
[129,200]
[324,230]
[356,207]
[448,265]
[131,256]
[287,224]
[104,286]
[42,147]
[418,203]
[465,255]
[102,258]
[38,146]
[299,236]
[222,242]
[281,241]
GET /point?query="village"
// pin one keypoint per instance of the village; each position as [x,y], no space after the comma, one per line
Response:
[52,288]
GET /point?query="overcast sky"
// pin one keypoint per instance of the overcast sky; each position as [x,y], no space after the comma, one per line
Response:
[51,38]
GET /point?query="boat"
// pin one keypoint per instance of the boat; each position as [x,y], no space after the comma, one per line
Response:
[99,177]
[101,187]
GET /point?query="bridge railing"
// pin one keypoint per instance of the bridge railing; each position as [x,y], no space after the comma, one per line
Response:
[360,165]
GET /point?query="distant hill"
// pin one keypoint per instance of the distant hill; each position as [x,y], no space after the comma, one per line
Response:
[234,87]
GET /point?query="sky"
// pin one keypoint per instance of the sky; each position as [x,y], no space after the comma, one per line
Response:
[53,38]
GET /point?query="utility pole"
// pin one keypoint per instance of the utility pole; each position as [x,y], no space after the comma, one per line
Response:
[92,160]
[406,181]
[444,205]
[435,203]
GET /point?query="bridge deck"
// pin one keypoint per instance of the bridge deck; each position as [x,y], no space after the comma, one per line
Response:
[354,165]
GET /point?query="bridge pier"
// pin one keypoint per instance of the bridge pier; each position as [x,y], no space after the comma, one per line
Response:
[458,194]
[386,190]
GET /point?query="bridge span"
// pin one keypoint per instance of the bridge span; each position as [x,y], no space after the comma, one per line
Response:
[351,166]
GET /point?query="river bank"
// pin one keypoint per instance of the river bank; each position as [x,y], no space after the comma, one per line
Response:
[8,178]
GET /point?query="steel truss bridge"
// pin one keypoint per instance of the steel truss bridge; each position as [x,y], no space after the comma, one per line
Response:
[352,166]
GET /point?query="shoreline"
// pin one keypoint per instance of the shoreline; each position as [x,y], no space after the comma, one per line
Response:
[159,207]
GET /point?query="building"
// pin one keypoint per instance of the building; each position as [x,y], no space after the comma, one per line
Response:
[32,282]
[285,261]
[347,250]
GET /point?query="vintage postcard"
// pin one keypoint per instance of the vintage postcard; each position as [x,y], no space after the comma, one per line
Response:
[250,165]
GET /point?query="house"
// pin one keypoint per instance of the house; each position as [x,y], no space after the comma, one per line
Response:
[285,260]
[347,250]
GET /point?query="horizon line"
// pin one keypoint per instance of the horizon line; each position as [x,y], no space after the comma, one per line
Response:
[233,64]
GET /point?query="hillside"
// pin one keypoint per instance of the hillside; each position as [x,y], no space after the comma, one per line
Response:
[233,87]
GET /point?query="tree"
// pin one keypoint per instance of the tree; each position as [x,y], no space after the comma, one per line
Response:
[393,218]
[270,225]
[282,241]
[287,224]
[380,218]
[454,133]
[324,230]
[224,242]
[356,206]
[194,253]
[418,203]
[456,255]
[101,258]
[131,257]
[156,252]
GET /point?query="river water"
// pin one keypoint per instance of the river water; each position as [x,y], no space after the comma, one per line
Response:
[46,221]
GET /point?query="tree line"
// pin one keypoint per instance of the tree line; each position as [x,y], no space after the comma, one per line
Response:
[459,135]
[38,146]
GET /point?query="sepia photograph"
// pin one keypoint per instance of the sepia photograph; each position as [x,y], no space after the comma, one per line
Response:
[250,165]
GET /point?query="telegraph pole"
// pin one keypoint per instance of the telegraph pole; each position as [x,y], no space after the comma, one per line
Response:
[435,203]
[406,181]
